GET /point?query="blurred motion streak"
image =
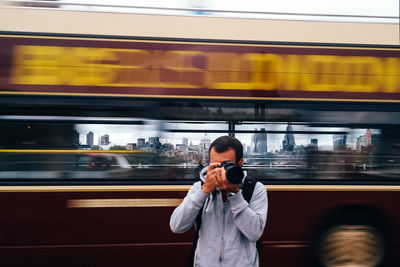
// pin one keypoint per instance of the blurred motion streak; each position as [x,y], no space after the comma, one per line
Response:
[122,203]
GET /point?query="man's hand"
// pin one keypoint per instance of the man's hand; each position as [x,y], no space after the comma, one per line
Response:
[211,178]
[223,183]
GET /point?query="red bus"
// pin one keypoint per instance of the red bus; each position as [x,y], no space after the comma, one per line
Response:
[102,137]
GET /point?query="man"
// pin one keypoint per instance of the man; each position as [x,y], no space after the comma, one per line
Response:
[230,225]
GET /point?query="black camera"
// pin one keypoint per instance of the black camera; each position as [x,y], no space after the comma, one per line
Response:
[234,172]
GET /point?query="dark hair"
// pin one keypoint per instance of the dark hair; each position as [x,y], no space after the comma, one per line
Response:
[224,143]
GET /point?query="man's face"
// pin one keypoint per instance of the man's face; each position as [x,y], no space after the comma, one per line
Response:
[223,156]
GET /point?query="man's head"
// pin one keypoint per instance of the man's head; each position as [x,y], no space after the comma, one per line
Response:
[226,148]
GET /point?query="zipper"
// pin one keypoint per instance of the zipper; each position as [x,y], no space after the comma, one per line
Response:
[221,254]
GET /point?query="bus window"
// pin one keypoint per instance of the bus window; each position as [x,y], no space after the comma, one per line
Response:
[175,150]
[287,151]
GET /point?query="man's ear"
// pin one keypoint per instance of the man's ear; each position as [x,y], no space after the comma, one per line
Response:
[240,162]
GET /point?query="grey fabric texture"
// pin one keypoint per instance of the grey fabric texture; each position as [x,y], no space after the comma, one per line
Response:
[229,231]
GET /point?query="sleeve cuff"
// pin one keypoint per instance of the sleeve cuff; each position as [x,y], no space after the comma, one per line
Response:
[200,197]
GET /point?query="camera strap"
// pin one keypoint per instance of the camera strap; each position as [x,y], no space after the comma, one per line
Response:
[248,188]
[247,192]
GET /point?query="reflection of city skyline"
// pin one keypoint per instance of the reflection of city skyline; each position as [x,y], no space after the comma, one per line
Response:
[255,152]
[199,153]
[124,134]
[90,139]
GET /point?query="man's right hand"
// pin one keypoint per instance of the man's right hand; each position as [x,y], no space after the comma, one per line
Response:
[211,178]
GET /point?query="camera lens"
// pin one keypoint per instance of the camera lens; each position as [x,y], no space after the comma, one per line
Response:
[234,172]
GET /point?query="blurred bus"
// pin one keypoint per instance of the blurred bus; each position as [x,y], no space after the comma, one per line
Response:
[102,136]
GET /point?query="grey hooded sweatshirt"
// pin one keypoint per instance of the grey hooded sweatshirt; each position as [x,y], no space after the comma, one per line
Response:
[229,231]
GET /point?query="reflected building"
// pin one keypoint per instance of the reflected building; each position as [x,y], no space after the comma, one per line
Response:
[168,146]
[141,142]
[194,147]
[181,148]
[314,144]
[368,137]
[89,139]
[205,143]
[364,141]
[288,142]
[104,140]
[185,141]
[259,141]
[75,138]
[154,143]
[167,149]
[131,146]
[153,140]
[204,147]
[360,143]
[339,142]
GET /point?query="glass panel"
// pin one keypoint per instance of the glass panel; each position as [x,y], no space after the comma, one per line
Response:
[308,153]
[147,150]
[133,150]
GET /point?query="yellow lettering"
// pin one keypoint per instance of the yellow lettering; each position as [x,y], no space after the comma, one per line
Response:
[219,70]
[88,66]
[341,73]
[267,71]
[319,73]
[292,70]
[36,65]
[137,70]
[349,74]
[82,66]
[183,69]
[391,83]
[253,72]
[367,74]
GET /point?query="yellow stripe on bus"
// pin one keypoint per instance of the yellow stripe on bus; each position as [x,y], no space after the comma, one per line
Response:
[123,202]
[183,188]
[205,97]
[94,188]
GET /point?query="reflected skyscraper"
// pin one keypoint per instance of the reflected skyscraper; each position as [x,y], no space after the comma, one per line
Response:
[75,138]
[185,141]
[339,142]
[154,143]
[89,139]
[105,140]
[314,144]
[288,142]
[259,140]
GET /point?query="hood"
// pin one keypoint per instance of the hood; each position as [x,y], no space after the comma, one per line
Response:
[203,173]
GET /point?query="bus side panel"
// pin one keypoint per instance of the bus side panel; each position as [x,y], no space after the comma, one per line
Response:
[41,228]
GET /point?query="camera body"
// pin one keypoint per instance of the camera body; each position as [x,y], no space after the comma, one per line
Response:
[234,172]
